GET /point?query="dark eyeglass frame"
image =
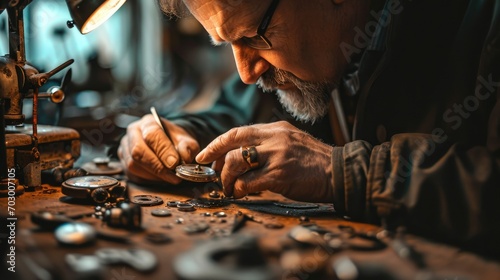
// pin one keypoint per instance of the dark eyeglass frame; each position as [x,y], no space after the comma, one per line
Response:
[261,30]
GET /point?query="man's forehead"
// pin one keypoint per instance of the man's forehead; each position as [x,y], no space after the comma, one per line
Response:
[209,8]
[228,18]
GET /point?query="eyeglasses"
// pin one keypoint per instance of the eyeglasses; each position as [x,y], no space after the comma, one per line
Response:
[259,41]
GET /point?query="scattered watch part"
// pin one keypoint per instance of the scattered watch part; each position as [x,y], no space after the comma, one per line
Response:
[124,215]
[87,266]
[168,226]
[100,195]
[158,238]
[49,191]
[305,235]
[185,207]
[172,203]
[195,173]
[304,219]
[209,203]
[103,166]
[196,228]
[75,234]
[273,225]
[161,213]
[139,259]
[220,214]
[115,235]
[146,200]
[49,220]
[203,261]
[253,219]
[214,194]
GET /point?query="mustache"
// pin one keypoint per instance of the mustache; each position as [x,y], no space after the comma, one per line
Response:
[275,77]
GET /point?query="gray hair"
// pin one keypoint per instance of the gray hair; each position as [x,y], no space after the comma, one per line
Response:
[173,8]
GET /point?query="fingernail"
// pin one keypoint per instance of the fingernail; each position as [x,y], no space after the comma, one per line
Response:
[199,156]
[171,161]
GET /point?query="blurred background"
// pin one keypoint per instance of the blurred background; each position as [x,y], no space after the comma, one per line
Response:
[137,59]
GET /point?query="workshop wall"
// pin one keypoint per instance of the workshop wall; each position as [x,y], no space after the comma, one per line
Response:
[137,58]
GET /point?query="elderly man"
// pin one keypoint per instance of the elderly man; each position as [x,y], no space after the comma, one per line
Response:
[424,76]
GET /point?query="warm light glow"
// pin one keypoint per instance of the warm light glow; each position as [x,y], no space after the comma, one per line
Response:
[103,13]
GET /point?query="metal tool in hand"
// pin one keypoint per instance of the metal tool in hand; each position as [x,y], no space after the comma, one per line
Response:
[190,172]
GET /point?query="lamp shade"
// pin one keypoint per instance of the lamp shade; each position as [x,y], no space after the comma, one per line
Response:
[89,14]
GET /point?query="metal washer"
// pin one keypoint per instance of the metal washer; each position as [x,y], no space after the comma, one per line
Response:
[185,207]
[161,213]
[146,200]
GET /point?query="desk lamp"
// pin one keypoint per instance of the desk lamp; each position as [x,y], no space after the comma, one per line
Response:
[27,149]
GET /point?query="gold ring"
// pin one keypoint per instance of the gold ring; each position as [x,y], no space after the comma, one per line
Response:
[250,156]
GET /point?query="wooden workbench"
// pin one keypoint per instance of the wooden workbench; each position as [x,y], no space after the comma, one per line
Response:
[39,248]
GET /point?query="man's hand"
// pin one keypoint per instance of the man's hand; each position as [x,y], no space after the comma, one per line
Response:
[291,162]
[148,155]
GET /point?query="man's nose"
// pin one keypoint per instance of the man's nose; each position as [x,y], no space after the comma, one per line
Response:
[249,63]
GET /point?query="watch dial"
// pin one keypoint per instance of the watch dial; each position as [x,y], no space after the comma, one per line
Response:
[92,182]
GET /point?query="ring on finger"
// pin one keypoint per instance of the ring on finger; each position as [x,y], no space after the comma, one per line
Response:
[250,155]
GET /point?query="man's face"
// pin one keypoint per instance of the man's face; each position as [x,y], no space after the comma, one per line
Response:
[305,61]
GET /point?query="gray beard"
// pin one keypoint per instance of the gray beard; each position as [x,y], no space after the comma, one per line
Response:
[307,102]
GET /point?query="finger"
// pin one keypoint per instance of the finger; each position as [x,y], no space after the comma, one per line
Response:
[218,164]
[187,146]
[187,150]
[234,167]
[233,139]
[254,179]
[160,146]
[142,160]
[251,182]
[132,169]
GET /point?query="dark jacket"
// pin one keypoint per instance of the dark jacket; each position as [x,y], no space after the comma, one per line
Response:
[426,130]
[428,120]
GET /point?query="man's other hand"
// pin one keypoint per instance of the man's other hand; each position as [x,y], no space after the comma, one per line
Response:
[290,162]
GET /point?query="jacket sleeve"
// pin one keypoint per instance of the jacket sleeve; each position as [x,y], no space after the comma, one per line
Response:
[235,106]
[448,193]
[447,190]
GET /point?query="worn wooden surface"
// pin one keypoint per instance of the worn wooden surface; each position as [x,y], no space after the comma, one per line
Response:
[293,262]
